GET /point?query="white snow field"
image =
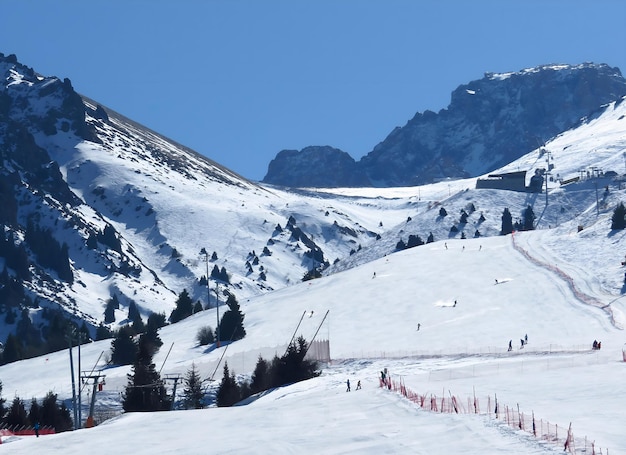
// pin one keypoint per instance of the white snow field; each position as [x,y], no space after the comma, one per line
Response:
[459,350]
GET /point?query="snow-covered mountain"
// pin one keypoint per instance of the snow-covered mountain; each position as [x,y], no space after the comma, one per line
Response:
[131,211]
[134,210]
[489,123]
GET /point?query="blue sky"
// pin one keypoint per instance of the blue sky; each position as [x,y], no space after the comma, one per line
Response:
[238,81]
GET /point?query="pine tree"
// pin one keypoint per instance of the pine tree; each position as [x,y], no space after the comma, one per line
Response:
[16,416]
[34,413]
[231,325]
[293,367]
[228,393]
[145,390]
[123,347]
[54,415]
[184,307]
[430,238]
[414,240]
[261,379]
[507,222]
[109,312]
[618,221]
[529,219]
[133,311]
[442,212]
[193,393]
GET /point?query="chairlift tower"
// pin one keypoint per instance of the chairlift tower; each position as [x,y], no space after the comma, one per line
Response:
[548,169]
[97,386]
[176,378]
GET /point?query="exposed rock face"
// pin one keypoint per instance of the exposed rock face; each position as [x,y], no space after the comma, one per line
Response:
[316,167]
[489,122]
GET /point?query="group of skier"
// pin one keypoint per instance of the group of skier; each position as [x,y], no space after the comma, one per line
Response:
[358,385]
[523,342]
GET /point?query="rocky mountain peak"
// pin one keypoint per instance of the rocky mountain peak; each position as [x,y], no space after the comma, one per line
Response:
[489,122]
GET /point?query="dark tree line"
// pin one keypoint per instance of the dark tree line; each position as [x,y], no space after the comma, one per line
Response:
[29,341]
[527,223]
[49,252]
[290,368]
[47,414]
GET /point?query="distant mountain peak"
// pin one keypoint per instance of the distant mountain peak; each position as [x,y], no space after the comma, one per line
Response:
[489,123]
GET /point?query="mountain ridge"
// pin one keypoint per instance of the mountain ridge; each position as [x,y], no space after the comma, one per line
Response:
[131,210]
[488,123]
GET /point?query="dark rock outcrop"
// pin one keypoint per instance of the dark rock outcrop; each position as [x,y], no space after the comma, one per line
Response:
[315,167]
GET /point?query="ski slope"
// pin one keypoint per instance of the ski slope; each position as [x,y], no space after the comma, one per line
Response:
[372,325]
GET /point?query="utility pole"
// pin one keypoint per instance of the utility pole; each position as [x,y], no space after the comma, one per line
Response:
[547,174]
[69,337]
[81,337]
[217,308]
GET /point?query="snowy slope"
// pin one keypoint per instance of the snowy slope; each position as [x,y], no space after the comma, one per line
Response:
[560,285]
[373,324]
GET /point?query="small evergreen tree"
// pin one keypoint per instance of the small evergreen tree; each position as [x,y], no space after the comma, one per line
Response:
[193,393]
[430,238]
[17,416]
[618,220]
[507,222]
[156,321]
[442,212]
[123,347]
[261,379]
[109,312]
[529,219]
[293,367]
[414,240]
[133,312]
[54,415]
[231,325]
[184,307]
[145,390]
[228,393]
[34,413]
